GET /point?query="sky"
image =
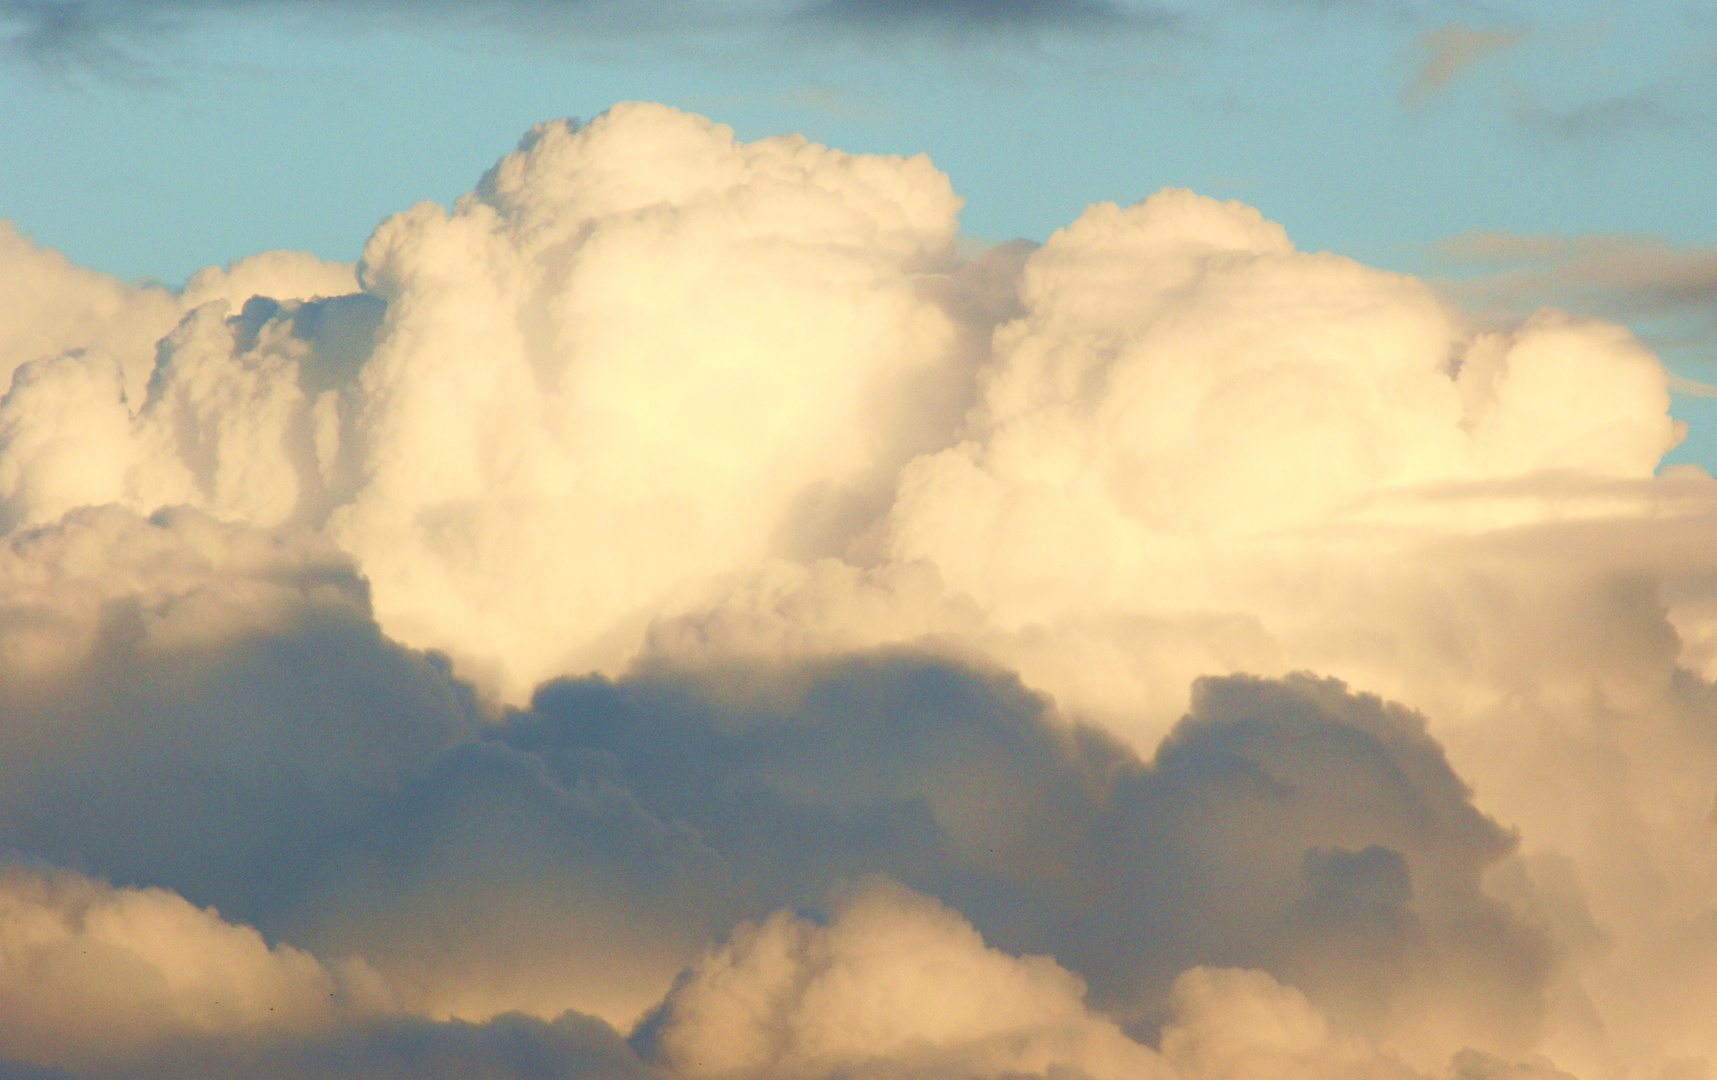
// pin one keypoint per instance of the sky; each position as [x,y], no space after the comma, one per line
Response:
[1385,130]
[858,538]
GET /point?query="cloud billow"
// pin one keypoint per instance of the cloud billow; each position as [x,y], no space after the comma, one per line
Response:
[677,612]
[1281,824]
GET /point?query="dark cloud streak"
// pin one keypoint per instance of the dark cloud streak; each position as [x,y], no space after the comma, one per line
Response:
[63,37]
[983,17]
[118,39]
[1668,293]
[1617,116]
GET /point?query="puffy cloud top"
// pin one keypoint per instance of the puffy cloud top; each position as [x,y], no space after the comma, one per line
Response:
[894,978]
[89,972]
[677,539]
[635,332]
[638,330]
[682,338]
[1181,371]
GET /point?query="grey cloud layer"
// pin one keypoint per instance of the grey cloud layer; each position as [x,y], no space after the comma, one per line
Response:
[580,853]
[169,733]
[115,37]
[321,783]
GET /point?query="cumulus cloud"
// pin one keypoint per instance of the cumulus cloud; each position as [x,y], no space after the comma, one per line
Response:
[193,704]
[54,307]
[138,983]
[895,984]
[1195,436]
[91,973]
[898,985]
[81,349]
[1170,375]
[677,533]
[680,332]
[894,978]
[578,855]
[1183,351]
[1060,841]
[205,707]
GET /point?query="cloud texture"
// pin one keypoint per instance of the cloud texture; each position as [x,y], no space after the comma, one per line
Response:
[120,39]
[677,613]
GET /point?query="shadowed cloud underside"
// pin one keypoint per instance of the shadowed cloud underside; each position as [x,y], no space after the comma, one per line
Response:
[679,612]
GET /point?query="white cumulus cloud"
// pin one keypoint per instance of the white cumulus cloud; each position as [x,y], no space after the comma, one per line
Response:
[558,606]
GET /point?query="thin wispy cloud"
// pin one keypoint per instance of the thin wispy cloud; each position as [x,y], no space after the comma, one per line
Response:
[119,38]
[1445,53]
[1670,291]
[126,38]
[67,37]
[986,17]
[1396,12]
[1692,387]
[1644,111]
